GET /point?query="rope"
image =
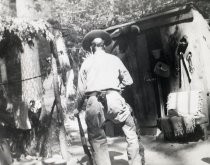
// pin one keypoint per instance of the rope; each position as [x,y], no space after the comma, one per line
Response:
[18,81]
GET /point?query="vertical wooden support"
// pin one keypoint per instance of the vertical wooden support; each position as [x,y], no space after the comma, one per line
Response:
[62,132]
[162,109]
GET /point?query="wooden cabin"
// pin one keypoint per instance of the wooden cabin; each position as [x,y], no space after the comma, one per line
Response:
[152,42]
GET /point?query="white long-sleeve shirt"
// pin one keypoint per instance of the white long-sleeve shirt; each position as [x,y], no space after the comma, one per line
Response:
[102,71]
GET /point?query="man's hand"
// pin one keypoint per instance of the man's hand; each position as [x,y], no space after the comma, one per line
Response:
[122,87]
[76,112]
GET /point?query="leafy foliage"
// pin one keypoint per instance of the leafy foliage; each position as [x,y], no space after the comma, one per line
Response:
[9,41]
[14,31]
[26,30]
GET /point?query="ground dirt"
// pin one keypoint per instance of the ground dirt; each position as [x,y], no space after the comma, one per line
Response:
[157,152]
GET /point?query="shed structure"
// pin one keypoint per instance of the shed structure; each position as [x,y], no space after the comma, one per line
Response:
[149,48]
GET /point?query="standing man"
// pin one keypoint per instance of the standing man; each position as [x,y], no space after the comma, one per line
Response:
[102,77]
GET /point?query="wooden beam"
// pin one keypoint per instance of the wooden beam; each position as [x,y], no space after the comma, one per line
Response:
[167,18]
[166,21]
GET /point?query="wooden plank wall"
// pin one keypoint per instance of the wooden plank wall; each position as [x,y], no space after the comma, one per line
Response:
[142,95]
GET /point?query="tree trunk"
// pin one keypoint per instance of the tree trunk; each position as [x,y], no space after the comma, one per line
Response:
[62,131]
[26,9]
[32,90]
[66,73]
[63,89]
[6,8]
[64,63]
[30,65]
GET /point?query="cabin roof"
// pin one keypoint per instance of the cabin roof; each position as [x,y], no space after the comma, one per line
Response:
[175,15]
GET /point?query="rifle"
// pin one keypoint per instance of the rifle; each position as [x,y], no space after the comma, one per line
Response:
[181,49]
[84,141]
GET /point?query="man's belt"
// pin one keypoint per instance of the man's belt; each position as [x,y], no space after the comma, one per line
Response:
[101,96]
[104,91]
[89,94]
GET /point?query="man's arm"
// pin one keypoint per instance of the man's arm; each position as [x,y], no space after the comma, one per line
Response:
[124,76]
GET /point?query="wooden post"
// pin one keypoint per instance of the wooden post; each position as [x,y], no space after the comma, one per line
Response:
[162,109]
[3,77]
[62,131]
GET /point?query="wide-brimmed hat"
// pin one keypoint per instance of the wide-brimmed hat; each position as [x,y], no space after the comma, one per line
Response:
[89,37]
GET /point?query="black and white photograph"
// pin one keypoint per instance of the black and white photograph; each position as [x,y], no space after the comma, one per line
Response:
[104,82]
